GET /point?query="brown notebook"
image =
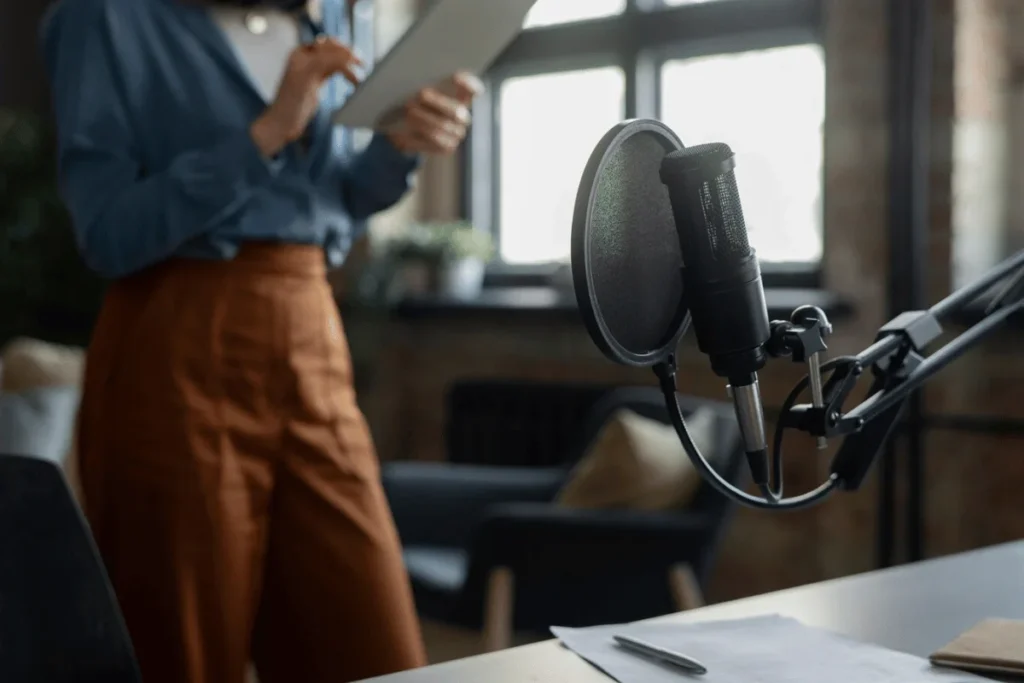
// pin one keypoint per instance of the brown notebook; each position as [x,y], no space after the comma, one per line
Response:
[992,646]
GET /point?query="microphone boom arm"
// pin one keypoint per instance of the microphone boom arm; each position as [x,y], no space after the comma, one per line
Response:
[897,362]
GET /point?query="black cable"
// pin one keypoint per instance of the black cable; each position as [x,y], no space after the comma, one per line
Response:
[787,405]
[667,380]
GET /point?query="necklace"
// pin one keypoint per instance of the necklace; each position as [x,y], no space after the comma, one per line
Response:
[257,23]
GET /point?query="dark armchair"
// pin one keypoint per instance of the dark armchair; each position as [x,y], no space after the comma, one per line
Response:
[486,546]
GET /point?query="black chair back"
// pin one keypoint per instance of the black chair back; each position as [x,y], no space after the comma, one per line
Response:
[59,620]
[517,423]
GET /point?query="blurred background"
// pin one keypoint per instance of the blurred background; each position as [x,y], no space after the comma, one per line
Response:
[880,149]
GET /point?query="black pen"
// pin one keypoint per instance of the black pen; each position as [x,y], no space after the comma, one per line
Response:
[661,654]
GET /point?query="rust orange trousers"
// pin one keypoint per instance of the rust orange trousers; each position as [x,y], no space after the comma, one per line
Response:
[231,482]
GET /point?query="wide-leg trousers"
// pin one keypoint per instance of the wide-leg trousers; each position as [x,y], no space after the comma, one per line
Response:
[230,480]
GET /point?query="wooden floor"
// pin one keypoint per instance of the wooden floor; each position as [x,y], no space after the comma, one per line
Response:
[445,643]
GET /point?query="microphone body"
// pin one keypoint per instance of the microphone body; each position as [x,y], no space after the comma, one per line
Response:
[722,283]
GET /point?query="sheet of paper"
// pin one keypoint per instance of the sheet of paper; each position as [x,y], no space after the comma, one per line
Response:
[770,649]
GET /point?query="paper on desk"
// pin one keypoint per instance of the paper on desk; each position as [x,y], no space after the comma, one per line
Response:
[769,649]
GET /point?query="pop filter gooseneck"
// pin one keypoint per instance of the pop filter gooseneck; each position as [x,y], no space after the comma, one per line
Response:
[628,252]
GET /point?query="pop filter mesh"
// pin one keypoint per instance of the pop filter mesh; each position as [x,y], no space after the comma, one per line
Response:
[633,249]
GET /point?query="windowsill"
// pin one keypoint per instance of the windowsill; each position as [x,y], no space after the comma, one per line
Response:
[548,301]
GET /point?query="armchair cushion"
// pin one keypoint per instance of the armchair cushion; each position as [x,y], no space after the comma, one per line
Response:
[33,364]
[638,463]
[438,575]
[39,395]
[442,570]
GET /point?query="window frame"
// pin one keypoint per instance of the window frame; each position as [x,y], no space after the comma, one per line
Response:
[639,41]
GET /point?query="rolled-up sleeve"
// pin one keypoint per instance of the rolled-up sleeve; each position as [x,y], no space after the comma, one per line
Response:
[127,217]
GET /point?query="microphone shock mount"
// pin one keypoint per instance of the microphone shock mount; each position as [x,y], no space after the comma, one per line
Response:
[802,338]
[898,366]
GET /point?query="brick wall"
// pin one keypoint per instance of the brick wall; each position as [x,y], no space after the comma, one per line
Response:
[966,475]
[1015,118]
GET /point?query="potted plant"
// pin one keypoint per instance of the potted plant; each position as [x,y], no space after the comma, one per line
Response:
[46,291]
[447,258]
[465,252]
[415,259]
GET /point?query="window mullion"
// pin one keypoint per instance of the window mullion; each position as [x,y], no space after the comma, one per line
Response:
[630,66]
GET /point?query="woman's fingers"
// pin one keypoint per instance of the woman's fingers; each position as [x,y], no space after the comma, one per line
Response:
[435,142]
[417,141]
[440,105]
[412,143]
[427,121]
[333,58]
[467,87]
[435,122]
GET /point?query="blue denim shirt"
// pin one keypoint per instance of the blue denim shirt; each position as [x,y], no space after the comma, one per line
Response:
[153,109]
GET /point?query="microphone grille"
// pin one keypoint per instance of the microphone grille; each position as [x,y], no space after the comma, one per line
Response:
[708,170]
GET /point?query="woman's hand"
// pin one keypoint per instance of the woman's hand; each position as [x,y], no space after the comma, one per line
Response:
[298,96]
[436,122]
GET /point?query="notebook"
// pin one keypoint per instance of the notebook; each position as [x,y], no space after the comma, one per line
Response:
[767,649]
[992,646]
[450,36]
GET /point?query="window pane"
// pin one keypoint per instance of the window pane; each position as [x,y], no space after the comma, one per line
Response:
[769,106]
[549,126]
[547,12]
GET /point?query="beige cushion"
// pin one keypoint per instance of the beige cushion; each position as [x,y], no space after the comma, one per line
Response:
[639,463]
[32,364]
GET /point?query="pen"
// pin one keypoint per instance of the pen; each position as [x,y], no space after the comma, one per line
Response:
[661,654]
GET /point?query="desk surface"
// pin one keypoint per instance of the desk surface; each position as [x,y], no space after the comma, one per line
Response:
[914,608]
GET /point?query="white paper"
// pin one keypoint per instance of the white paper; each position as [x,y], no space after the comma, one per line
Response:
[770,649]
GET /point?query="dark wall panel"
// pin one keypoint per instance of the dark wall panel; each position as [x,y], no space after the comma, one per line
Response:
[22,78]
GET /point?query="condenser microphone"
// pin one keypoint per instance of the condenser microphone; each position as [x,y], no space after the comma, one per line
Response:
[649,255]
[722,282]
[659,244]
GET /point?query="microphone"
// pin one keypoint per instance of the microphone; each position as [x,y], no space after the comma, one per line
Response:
[722,283]
[652,259]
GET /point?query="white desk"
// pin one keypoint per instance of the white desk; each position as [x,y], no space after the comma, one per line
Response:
[915,608]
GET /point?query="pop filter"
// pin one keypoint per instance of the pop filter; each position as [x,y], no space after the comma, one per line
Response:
[643,199]
[626,260]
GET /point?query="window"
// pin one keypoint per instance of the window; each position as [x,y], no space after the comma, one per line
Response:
[548,12]
[543,151]
[769,106]
[580,66]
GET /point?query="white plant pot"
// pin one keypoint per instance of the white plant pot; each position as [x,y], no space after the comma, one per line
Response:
[463,279]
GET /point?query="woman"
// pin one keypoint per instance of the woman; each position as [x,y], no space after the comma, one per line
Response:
[228,475]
